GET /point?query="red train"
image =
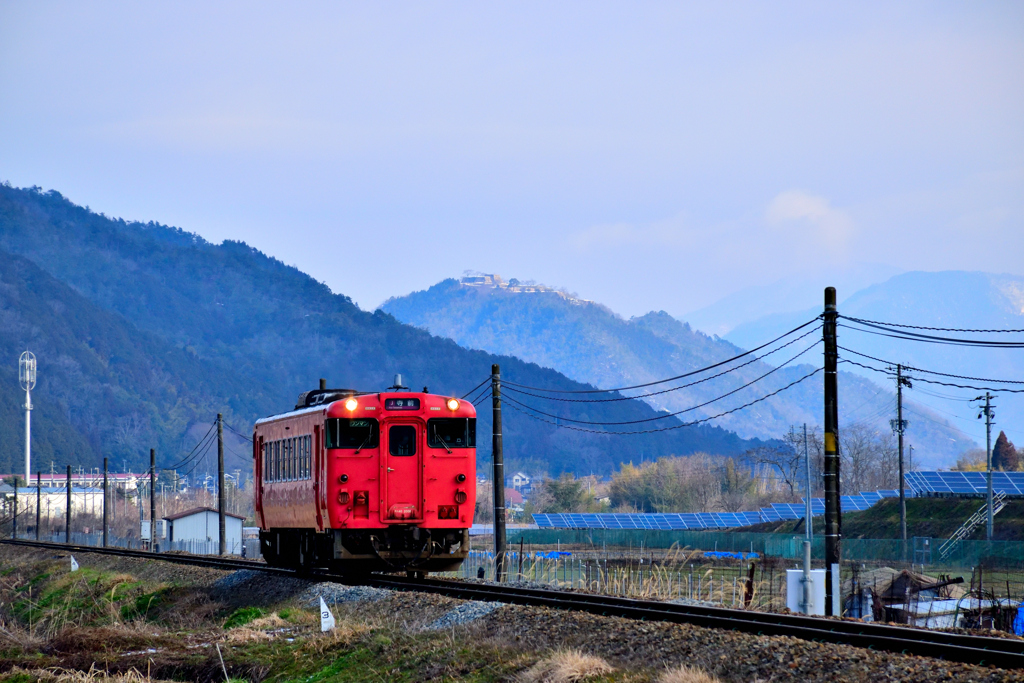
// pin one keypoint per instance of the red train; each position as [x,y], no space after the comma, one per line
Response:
[367,482]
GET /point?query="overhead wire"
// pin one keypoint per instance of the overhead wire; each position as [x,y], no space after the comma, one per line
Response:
[678,412]
[667,379]
[488,379]
[933,329]
[664,391]
[188,457]
[932,339]
[679,426]
[933,372]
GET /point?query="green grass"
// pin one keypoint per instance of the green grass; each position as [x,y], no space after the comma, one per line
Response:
[243,615]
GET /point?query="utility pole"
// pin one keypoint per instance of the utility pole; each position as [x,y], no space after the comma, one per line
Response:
[987,412]
[14,519]
[833,515]
[106,490]
[899,425]
[39,499]
[808,603]
[499,476]
[910,458]
[27,376]
[152,500]
[220,484]
[67,510]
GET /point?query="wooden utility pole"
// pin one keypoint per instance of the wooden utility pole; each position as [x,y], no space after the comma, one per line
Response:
[67,510]
[499,475]
[220,484]
[152,500]
[833,515]
[106,490]
[14,518]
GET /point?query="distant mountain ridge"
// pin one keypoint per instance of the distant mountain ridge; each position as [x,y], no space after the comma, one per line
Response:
[174,328]
[592,344]
[948,299]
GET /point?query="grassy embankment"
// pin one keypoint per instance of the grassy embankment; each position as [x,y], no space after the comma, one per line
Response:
[933,517]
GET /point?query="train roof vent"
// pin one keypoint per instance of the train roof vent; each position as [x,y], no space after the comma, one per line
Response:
[317,397]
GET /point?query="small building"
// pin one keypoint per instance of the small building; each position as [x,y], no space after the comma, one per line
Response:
[198,531]
[521,482]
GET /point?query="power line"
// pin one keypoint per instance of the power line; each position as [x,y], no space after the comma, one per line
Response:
[488,379]
[188,457]
[664,391]
[668,379]
[920,327]
[678,412]
[934,372]
[679,426]
[238,433]
[932,339]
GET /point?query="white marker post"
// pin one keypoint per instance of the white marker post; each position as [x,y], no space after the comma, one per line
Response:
[74,564]
[326,618]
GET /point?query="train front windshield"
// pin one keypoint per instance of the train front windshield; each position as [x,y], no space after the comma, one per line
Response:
[350,433]
[452,432]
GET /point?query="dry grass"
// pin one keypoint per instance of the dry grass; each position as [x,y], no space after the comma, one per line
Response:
[566,666]
[686,674]
[267,623]
[343,634]
[244,634]
[93,676]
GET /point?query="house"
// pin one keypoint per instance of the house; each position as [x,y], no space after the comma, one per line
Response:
[521,482]
[198,531]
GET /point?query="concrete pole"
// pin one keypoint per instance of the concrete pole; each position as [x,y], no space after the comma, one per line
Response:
[67,510]
[28,436]
[106,491]
[833,515]
[988,460]
[39,500]
[220,485]
[497,456]
[152,500]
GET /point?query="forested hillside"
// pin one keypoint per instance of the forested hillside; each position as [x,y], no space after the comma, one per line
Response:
[171,329]
[590,343]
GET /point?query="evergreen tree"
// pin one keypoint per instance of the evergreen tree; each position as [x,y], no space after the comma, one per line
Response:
[1004,455]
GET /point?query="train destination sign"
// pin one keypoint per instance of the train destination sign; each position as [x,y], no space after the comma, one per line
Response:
[401,404]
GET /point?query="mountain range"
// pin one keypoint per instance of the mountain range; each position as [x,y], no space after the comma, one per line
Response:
[590,343]
[144,332]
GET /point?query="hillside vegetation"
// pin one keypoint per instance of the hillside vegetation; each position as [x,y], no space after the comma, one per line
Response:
[144,332]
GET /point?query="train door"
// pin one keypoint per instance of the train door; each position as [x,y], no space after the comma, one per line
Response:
[401,458]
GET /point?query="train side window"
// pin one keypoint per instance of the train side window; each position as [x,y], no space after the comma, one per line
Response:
[266,449]
[309,451]
[291,458]
[402,440]
[277,460]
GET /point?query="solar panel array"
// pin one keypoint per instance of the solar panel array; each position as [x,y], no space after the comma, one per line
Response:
[966,483]
[918,483]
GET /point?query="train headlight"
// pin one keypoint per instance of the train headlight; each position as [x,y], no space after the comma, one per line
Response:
[351,404]
[453,404]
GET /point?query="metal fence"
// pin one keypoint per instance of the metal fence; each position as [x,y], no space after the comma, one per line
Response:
[968,554]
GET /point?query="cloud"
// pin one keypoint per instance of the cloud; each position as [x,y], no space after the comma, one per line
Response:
[798,211]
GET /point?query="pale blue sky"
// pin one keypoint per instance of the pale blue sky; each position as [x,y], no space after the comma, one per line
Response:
[646,155]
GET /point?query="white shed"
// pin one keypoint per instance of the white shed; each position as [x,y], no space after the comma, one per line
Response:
[198,531]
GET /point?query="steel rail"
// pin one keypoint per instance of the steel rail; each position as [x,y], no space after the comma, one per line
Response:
[982,650]
[1007,653]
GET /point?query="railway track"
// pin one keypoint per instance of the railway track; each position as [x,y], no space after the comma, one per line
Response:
[1007,653]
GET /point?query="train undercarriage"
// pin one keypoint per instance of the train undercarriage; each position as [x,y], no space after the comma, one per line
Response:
[397,548]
